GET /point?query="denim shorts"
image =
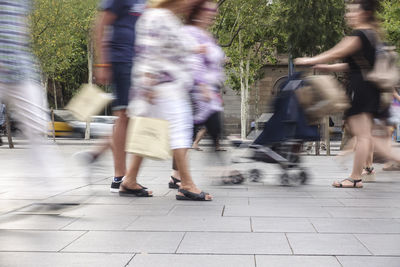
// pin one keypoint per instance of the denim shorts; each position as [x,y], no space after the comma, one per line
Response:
[121,84]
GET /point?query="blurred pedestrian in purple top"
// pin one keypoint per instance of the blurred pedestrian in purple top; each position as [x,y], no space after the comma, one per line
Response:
[208,75]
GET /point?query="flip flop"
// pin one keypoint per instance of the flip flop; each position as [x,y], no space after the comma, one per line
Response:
[354,185]
[126,192]
[187,195]
[174,183]
[198,149]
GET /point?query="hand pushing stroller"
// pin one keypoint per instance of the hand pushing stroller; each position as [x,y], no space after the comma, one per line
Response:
[282,138]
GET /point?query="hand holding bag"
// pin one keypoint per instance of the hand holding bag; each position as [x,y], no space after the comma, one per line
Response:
[88,102]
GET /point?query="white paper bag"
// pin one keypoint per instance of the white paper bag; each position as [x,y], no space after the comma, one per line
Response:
[149,138]
[90,101]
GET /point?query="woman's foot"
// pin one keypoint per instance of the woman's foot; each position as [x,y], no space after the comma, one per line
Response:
[193,193]
[392,167]
[134,190]
[368,175]
[197,148]
[348,183]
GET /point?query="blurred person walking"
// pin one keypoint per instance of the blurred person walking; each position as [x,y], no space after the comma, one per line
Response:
[162,77]
[2,121]
[358,47]
[114,57]
[208,74]
[20,87]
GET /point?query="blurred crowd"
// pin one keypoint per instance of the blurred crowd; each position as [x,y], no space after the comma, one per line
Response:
[163,62]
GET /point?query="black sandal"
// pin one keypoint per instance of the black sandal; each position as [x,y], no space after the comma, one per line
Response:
[174,183]
[126,192]
[187,195]
[354,185]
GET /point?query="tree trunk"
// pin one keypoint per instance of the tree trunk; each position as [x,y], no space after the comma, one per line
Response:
[55,94]
[90,61]
[60,95]
[243,104]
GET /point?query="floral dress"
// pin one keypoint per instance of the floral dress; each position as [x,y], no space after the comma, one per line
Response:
[161,66]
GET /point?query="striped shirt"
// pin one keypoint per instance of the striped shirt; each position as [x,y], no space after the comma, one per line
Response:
[16,60]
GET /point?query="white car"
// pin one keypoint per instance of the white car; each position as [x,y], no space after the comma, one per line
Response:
[100,126]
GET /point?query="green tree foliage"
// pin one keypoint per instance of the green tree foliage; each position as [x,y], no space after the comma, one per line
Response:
[60,30]
[308,27]
[390,15]
[244,30]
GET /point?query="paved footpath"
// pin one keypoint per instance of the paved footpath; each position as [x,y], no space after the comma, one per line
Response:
[253,224]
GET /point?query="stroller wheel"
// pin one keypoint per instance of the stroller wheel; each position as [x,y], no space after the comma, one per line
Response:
[303,177]
[234,177]
[255,175]
[285,179]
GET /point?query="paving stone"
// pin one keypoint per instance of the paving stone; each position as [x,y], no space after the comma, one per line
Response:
[68,199]
[196,211]
[115,210]
[158,225]
[326,244]
[191,224]
[372,202]
[168,260]
[282,225]
[23,240]
[268,211]
[359,212]
[170,200]
[10,205]
[298,261]
[381,244]
[295,202]
[111,223]
[340,225]
[34,222]
[29,259]
[110,200]
[368,261]
[234,243]
[127,242]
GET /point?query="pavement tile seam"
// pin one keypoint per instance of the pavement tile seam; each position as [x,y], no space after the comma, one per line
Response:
[338,261]
[315,228]
[290,245]
[356,237]
[137,218]
[76,239]
[177,248]
[65,226]
[130,260]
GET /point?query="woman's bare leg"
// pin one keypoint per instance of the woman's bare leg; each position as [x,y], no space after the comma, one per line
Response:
[130,179]
[361,127]
[183,167]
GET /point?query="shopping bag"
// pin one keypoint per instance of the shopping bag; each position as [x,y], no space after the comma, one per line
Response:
[149,138]
[90,101]
[323,95]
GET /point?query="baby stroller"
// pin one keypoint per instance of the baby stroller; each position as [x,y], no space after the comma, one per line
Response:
[282,138]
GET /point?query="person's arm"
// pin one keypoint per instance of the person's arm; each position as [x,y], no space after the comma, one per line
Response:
[104,19]
[396,95]
[102,71]
[339,67]
[348,46]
